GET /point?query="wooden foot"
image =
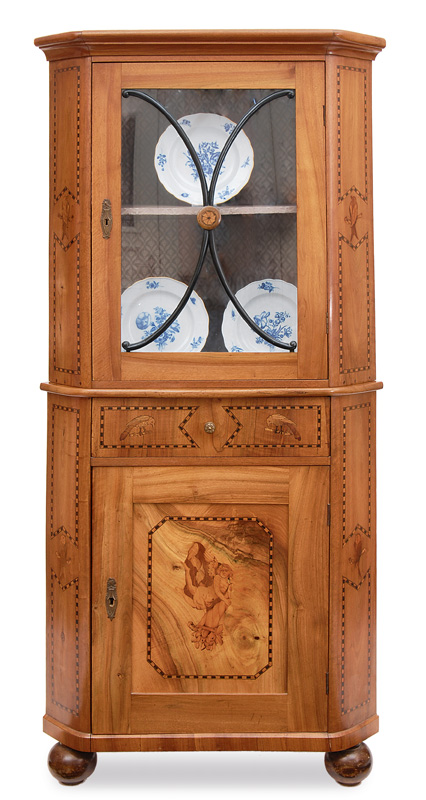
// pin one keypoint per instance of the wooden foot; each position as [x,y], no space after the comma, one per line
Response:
[70,767]
[349,767]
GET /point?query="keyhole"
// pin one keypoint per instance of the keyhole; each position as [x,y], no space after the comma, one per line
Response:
[111,601]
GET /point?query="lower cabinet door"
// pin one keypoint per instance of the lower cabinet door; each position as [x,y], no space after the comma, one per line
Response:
[210,599]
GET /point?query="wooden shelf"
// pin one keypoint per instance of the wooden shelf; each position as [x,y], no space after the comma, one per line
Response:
[141,211]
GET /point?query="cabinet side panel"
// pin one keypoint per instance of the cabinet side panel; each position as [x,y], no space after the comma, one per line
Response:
[352,562]
[69,240]
[350,221]
[68,562]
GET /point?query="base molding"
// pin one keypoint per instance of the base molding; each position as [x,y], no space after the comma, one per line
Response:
[321,742]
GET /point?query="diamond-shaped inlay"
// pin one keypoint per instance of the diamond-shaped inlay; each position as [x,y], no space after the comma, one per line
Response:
[209,612]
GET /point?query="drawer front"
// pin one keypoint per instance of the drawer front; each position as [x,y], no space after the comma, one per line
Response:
[209,427]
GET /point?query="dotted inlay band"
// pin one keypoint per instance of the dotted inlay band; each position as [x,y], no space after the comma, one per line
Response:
[363,73]
[346,582]
[346,535]
[55,580]
[62,529]
[343,240]
[230,442]
[55,130]
[149,599]
[190,443]
[56,242]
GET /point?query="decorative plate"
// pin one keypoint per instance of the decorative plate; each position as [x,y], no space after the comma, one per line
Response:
[208,133]
[272,305]
[146,305]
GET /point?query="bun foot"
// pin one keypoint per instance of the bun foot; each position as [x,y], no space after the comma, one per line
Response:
[349,767]
[70,767]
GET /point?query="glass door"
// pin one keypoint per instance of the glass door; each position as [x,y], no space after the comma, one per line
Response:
[210,257]
[251,254]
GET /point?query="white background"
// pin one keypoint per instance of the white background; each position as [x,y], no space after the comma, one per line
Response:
[400,223]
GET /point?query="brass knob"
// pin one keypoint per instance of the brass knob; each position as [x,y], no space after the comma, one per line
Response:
[209,217]
[209,427]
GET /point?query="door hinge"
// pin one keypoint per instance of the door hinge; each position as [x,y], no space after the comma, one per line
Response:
[323,115]
[326,683]
[326,323]
[328,514]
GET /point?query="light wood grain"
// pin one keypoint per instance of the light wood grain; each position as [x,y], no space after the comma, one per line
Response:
[257,428]
[68,561]
[223,76]
[106,253]
[201,43]
[294,741]
[111,639]
[311,222]
[352,562]
[69,239]
[350,221]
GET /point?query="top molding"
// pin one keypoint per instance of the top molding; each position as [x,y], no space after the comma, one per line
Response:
[114,45]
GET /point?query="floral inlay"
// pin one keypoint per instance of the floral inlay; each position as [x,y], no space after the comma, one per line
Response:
[208,587]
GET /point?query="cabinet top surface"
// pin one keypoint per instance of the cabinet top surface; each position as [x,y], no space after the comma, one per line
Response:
[209,42]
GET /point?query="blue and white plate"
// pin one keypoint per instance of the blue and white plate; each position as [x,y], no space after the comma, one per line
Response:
[146,305]
[272,305]
[208,133]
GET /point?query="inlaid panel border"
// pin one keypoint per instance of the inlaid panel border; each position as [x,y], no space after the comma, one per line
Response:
[345,535]
[363,72]
[149,596]
[191,442]
[62,529]
[54,579]
[278,445]
[343,239]
[356,586]
[65,248]
[57,72]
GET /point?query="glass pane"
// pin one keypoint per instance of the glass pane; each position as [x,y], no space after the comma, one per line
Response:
[255,241]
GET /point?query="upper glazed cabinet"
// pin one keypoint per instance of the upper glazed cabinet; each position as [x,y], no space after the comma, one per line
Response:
[216,169]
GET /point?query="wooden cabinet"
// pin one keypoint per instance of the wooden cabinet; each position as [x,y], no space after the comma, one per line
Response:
[211,396]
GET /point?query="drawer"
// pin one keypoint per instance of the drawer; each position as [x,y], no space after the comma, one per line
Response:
[209,427]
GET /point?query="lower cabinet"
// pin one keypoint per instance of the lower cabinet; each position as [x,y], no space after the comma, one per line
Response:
[210,599]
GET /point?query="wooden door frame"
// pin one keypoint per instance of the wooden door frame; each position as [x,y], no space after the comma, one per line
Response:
[113,368]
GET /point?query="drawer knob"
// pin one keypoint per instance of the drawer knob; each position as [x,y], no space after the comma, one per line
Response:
[209,427]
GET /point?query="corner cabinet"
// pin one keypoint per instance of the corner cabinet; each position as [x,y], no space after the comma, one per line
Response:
[211,396]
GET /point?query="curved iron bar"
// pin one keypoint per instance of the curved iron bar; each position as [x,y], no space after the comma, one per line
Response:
[212,243]
[178,128]
[290,93]
[137,345]
[204,244]
[219,271]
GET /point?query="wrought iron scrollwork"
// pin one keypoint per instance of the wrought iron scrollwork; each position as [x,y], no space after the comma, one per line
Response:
[208,240]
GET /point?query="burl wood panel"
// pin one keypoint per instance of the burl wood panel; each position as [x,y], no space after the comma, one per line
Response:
[350,221]
[352,562]
[68,562]
[69,250]
[257,427]
[218,626]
